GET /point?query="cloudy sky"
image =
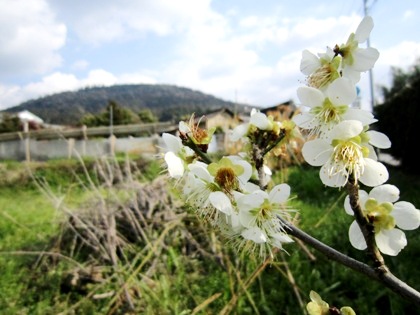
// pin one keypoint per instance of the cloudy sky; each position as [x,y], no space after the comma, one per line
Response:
[238,50]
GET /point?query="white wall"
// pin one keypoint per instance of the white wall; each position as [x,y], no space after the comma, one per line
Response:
[66,148]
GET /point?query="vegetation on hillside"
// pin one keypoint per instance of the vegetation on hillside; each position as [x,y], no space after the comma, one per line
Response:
[114,114]
[166,102]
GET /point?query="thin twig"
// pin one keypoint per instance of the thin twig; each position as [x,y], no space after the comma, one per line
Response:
[384,277]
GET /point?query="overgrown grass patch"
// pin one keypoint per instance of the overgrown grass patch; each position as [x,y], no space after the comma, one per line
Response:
[173,263]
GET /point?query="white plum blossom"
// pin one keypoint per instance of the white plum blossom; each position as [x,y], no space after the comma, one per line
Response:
[257,119]
[355,59]
[321,70]
[217,185]
[259,214]
[382,209]
[347,150]
[329,108]
[347,60]
[175,164]
[176,155]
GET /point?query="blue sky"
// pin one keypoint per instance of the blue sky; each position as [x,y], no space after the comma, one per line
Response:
[238,50]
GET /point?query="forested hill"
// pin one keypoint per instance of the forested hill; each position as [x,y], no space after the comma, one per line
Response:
[167,102]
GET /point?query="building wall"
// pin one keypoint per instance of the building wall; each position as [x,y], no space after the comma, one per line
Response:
[28,149]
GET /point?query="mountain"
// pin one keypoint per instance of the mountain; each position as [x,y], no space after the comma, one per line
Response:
[167,102]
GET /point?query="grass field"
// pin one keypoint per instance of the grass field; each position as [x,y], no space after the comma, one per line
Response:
[170,262]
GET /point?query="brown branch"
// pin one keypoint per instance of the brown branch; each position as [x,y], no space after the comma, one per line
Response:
[366,227]
[382,276]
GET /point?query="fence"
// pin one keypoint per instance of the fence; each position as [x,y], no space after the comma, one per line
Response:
[49,143]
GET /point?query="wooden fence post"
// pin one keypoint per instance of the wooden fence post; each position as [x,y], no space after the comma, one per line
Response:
[27,141]
[112,141]
[70,147]
[84,140]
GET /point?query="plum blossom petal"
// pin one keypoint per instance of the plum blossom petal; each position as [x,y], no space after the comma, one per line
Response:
[309,62]
[333,179]
[364,58]
[385,193]
[363,196]
[277,239]
[172,142]
[346,129]
[374,174]
[260,120]
[406,216]
[305,120]
[363,29]
[356,236]
[200,170]
[365,117]
[310,96]
[254,234]
[239,132]
[351,74]
[279,193]
[342,91]
[221,202]
[316,152]
[378,139]
[175,165]
[390,242]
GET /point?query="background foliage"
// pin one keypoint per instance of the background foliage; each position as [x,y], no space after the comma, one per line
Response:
[399,115]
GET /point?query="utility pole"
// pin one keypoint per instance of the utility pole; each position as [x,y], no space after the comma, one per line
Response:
[372,96]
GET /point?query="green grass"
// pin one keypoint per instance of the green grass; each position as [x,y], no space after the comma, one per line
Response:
[184,267]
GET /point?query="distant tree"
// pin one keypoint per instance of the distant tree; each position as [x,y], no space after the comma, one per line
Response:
[118,114]
[90,120]
[399,116]
[10,123]
[146,116]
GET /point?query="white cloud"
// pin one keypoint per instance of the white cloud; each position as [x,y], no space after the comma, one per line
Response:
[30,38]
[402,55]
[101,21]
[99,77]
[408,14]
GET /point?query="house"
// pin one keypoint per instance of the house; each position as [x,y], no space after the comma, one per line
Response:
[281,111]
[222,119]
[27,116]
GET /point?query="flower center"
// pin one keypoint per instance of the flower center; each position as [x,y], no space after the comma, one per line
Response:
[320,77]
[199,134]
[329,113]
[226,179]
[325,74]
[348,154]
[263,213]
[379,214]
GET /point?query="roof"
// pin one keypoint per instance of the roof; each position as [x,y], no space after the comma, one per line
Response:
[26,115]
[276,107]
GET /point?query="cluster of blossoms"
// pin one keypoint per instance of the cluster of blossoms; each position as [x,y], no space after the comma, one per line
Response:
[342,144]
[235,194]
[227,192]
